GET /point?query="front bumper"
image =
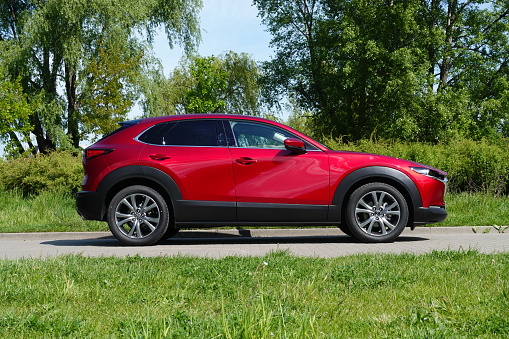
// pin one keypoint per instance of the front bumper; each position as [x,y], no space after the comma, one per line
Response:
[90,205]
[430,215]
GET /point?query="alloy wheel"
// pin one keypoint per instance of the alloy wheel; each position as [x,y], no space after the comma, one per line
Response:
[377,213]
[137,216]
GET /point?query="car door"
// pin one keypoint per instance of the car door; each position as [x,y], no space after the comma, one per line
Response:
[195,155]
[273,184]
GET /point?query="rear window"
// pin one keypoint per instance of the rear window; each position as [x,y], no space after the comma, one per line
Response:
[155,134]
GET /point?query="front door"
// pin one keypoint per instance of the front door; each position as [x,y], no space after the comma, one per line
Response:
[274,184]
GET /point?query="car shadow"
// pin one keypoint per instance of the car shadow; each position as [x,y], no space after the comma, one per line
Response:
[204,238]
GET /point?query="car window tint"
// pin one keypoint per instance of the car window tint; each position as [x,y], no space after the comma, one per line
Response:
[192,133]
[255,135]
[155,134]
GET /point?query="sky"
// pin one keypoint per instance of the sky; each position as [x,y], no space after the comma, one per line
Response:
[227,25]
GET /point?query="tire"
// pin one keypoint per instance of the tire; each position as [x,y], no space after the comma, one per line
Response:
[170,232]
[376,213]
[138,215]
[343,227]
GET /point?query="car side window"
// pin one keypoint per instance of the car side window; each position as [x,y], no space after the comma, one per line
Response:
[183,133]
[192,133]
[254,135]
[155,134]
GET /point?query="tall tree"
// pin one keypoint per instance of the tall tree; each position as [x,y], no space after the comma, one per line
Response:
[416,70]
[227,84]
[83,58]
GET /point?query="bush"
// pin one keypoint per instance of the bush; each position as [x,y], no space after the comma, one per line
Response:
[57,172]
[473,166]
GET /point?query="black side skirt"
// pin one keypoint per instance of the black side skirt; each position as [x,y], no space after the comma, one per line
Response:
[212,213]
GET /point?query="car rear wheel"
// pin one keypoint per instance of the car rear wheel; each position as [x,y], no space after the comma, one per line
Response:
[138,215]
[376,212]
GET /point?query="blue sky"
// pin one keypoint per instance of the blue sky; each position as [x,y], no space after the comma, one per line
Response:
[227,25]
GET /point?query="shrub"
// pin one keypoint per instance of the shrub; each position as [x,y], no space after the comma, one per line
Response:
[58,172]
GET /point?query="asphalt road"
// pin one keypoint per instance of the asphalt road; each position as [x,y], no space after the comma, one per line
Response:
[325,242]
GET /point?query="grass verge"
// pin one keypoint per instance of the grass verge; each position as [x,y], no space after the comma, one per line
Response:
[475,209]
[47,212]
[55,212]
[439,295]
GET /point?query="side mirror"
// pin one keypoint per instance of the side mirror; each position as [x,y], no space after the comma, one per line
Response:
[295,146]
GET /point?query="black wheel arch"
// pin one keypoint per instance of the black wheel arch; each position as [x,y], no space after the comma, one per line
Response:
[362,176]
[151,177]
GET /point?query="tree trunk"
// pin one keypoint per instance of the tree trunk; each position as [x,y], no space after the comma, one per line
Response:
[45,144]
[445,67]
[72,105]
[16,142]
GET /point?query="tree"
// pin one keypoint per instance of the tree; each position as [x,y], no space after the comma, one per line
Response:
[14,115]
[208,81]
[227,83]
[110,85]
[413,70]
[92,51]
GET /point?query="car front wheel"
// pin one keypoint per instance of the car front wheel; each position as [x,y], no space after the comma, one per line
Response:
[138,215]
[376,212]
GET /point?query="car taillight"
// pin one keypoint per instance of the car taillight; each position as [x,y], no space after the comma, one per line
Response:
[92,153]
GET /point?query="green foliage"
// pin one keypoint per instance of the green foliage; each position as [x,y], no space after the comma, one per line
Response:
[224,84]
[14,114]
[56,172]
[95,48]
[450,294]
[110,85]
[412,70]
[473,166]
[209,81]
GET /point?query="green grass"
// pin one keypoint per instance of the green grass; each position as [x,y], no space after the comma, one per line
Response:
[54,212]
[469,209]
[439,295]
[47,212]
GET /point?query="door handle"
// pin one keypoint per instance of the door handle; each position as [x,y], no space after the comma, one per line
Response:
[159,156]
[246,161]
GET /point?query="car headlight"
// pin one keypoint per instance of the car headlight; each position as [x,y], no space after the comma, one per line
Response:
[429,173]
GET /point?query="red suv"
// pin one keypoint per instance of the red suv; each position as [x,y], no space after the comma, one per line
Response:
[154,176]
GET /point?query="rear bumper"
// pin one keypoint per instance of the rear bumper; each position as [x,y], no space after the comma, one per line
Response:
[90,205]
[429,215]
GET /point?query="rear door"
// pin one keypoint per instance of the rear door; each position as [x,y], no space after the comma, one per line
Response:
[195,155]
